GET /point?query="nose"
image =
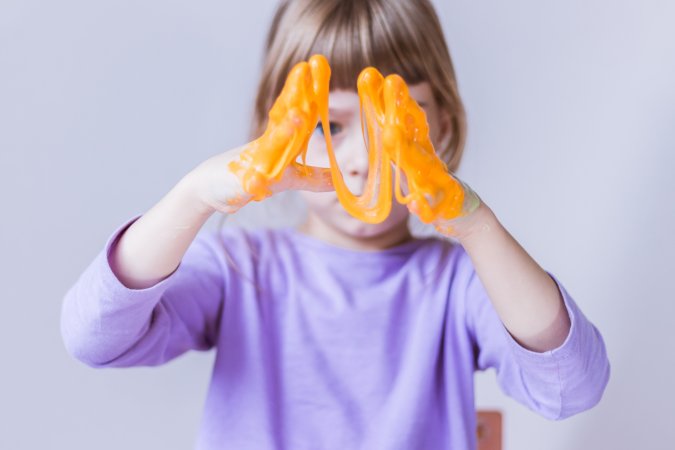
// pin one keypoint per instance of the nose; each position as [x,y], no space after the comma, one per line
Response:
[355,156]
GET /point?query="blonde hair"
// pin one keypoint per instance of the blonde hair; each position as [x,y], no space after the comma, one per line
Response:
[395,36]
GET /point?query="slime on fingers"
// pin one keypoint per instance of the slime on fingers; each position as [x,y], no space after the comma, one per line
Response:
[395,131]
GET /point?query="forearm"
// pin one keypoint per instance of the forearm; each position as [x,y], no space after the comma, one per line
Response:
[153,246]
[524,295]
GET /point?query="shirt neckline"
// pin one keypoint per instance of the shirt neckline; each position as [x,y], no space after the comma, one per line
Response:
[404,249]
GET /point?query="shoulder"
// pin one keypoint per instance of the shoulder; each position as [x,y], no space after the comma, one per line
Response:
[465,291]
[447,253]
[447,266]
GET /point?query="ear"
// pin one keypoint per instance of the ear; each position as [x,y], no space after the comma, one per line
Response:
[444,129]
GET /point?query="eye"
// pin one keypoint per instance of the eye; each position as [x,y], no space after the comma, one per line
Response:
[334,128]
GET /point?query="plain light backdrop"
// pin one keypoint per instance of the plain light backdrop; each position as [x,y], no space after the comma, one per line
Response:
[105,105]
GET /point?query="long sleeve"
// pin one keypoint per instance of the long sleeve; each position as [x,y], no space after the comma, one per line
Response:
[106,324]
[557,383]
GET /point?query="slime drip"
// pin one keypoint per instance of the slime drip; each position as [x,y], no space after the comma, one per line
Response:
[395,130]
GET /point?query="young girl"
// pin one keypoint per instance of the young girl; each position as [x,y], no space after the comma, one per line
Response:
[338,334]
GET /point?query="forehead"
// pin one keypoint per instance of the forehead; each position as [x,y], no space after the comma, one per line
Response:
[347,100]
[343,100]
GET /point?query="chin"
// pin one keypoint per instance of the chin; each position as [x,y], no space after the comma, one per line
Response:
[351,226]
[328,209]
[356,228]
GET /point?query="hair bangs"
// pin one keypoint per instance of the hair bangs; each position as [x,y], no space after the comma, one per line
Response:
[354,35]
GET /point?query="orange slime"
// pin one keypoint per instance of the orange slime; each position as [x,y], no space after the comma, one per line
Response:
[395,130]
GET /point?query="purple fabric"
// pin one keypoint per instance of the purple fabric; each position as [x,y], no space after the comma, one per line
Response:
[320,347]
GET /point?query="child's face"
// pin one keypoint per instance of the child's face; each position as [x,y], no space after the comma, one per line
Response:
[352,158]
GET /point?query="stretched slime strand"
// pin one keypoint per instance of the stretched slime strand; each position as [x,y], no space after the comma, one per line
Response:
[368,207]
[395,131]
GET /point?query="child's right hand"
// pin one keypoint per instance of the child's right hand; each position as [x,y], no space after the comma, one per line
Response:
[267,165]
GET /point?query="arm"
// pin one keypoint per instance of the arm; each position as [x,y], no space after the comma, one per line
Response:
[556,384]
[153,246]
[107,324]
[526,326]
[526,298]
[157,288]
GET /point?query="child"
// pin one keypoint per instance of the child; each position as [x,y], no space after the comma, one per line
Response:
[338,334]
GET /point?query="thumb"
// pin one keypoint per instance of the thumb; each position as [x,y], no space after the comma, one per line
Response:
[309,178]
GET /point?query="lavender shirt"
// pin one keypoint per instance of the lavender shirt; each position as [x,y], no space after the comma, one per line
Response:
[320,347]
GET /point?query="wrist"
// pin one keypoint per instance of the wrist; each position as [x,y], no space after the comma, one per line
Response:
[468,228]
[214,186]
[188,190]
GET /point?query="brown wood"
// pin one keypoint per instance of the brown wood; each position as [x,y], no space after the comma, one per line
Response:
[489,430]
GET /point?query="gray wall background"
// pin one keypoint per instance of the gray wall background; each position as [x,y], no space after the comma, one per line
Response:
[105,105]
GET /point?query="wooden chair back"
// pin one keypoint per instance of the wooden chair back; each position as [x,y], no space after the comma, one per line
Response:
[489,430]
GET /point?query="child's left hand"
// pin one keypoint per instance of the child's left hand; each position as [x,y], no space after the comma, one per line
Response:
[462,224]
[472,207]
[434,194]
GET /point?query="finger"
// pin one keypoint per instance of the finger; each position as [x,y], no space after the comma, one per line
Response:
[310,178]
